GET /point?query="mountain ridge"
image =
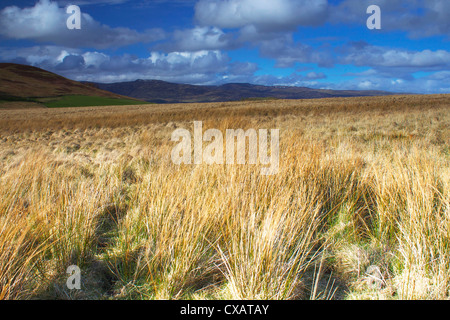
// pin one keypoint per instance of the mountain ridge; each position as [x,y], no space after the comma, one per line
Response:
[34,85]
[159,91]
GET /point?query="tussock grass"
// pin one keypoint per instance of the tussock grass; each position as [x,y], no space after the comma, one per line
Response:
[359,208]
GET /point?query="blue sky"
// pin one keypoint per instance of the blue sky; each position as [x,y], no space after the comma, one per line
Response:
[318,44]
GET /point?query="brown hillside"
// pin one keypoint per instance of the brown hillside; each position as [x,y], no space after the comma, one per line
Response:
[26,81]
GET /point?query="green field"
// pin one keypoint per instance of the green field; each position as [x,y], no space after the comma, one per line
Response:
[86,101]
[73,101]
[8,98]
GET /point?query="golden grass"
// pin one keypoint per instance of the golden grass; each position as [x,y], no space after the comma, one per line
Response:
[362,182]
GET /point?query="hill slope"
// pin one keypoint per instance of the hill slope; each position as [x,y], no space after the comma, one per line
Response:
[165,92]
[22,85]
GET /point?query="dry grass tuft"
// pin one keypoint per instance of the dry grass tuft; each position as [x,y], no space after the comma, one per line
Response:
[359,209]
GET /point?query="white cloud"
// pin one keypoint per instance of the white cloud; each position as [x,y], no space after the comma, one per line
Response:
[185,67]
[42,19]
[46,23]
[366,85]
[419,18]
[268,15]
[397,81]
[198,67]
[91,2]
[204,67]
[95,59]
[315,75]
[395,60]
[196,55]
[287,53]
[441,75]
[43,56]
[199,38]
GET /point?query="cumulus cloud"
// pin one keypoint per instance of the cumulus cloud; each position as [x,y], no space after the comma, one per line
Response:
[243,68]
[315,75]
[419,18]
[394,61]
[206,67]
[367,85]
[441,75]
[293,79]
[187,67]
[416,85]
[266,15]
[46,23]
[42,56]
[198,55]
[199,38]
[71,62]
[287,53]
[201,67]
[91,2]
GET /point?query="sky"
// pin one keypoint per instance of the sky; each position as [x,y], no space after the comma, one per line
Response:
[308,43]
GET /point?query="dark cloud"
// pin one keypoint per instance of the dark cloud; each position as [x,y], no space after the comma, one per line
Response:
[71,62]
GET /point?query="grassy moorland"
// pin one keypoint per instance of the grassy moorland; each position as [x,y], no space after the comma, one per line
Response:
[359,209]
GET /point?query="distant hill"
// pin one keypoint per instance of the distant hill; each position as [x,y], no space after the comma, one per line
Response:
[166,92]
[23,86]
